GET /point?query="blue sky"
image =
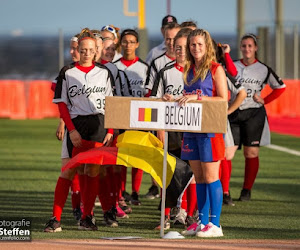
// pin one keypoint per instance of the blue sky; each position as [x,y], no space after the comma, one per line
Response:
[45,17]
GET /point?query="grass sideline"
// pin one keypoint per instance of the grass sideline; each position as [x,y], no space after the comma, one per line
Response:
[30,166]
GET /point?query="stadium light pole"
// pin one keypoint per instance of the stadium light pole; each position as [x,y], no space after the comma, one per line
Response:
[296,52]
[168,7]
[280,48]
[61,59]
[143,34]
[240,22]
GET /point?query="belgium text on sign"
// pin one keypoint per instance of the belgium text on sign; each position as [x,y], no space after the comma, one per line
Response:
[165,115]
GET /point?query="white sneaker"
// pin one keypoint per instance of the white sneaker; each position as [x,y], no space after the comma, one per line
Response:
[180,217]
[210,230]
[193,229]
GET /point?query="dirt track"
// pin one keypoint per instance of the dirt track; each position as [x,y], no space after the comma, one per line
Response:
[152,244]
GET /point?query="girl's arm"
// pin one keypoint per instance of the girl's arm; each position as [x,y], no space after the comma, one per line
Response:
[221,85]
[238,101]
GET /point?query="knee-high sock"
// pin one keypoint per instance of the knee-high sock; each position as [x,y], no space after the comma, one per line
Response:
[112,182]
[251,170]
[124,177]
[92,187]
[184,200]
[203,202]
[82,183]
[229,167]
[118,184]
[167,211]
[60,196]
[225,176]
[104,193]
[216,200]
[137,176]
[75,188]
[191,199]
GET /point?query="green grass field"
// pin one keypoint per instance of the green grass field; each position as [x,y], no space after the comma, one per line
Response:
[30,166]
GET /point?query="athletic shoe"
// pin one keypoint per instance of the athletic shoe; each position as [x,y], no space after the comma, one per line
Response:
[121,214]
[77,214]
[126,196]
[174,212]
[52,226]
[135,199]
[210,230]
[94,218]
[190,220]
[227,200]
[124,207]
[152,193]
[196,215]
[180,217]
[87,224]
[167,224]
[110,218]
[245,195]
[193,229]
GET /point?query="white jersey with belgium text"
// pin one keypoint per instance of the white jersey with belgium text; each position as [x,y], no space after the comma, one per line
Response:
[122,87]
[169,80]
[84,93]
[155,52]
[115,73]
[137,74]
[253,78]
[157,64]
[125,89]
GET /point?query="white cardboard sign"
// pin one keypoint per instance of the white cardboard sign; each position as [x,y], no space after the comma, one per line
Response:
[165,115]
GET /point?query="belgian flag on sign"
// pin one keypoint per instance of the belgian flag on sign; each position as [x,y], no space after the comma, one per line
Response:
[147,115]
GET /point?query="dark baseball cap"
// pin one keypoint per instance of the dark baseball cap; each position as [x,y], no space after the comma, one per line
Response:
[168,19]
[129,32]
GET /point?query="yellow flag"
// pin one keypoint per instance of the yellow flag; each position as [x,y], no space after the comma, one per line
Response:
[144,151]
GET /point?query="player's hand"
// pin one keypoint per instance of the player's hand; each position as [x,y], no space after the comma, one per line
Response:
[183,100]
[257,98]
[75,138]
[108,140]
[60,131]
[161,136]
[226,48]
[168,97]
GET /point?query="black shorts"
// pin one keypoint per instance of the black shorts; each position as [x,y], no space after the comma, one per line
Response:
[175,141]
[90,127]
[247,126]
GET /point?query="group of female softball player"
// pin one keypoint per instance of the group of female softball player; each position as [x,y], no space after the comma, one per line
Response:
[189,65]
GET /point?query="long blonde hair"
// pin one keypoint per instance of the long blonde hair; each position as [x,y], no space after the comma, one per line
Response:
[208,58]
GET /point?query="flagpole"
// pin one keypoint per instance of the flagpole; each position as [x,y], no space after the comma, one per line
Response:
[163,197]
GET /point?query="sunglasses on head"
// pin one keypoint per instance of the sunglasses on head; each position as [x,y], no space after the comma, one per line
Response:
[97,35]
[110,29]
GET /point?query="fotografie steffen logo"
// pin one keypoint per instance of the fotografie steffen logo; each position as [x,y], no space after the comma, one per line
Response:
[17,229]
